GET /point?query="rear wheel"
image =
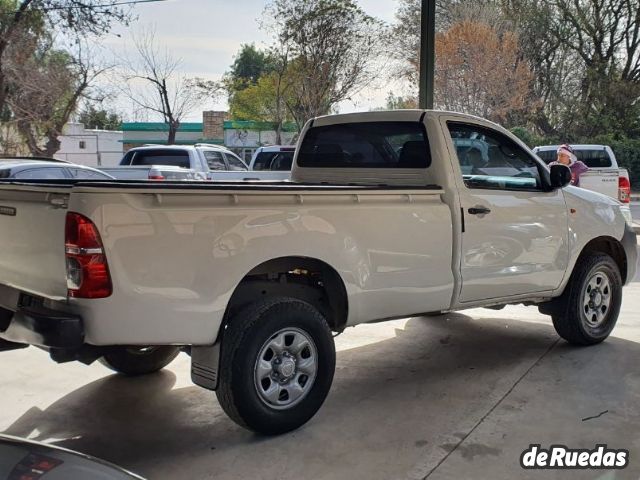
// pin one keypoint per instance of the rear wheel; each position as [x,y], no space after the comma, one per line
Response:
[139,360]
[277,365]
[588,310]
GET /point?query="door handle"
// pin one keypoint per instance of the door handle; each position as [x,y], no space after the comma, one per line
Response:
[479,211]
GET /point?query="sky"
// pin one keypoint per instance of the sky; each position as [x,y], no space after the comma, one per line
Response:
[206,34]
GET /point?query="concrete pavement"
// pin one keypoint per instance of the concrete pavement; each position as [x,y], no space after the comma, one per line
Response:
[452,397]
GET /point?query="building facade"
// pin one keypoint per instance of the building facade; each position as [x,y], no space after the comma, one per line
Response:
[90,147]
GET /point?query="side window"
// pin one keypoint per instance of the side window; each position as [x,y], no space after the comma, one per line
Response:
[263,160]
[236,164]
[282,162]
[42,174]
[126,160]
[83,174]
[491,160]
[366,145]
[215,161]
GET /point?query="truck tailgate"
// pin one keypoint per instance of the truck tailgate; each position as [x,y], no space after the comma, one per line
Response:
[601,181]
[32,223]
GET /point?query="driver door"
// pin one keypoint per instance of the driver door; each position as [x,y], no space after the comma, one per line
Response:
[515,238]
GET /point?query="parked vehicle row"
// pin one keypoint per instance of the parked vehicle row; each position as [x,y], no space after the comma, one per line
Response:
[207,162]
[388,215]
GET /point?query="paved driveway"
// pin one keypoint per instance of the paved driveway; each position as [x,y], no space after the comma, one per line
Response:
[452,397]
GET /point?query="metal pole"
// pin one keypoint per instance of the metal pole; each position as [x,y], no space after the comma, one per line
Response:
[427,53]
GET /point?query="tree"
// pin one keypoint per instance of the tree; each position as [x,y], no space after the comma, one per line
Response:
[399,103]
[480,72]
[99,118]
[405,40]
[266,101]
[328,49]
[249,65]
[44,92]
[586,58]
[30,19]
[152,82]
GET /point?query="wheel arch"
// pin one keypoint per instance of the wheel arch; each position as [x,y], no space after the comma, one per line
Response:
[305,278]
[609,246]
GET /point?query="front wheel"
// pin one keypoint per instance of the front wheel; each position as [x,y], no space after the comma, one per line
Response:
[135,361]
[277,365]
[588,310]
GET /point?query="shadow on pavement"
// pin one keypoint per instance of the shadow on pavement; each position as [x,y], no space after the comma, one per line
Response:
[390,404]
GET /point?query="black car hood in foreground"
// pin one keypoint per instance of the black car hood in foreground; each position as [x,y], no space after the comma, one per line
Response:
[27,460]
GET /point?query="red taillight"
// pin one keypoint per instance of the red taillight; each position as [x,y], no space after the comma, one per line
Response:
[87,269]
[624,190]
[156,177]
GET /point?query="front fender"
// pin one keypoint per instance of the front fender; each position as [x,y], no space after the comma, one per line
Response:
[592,216]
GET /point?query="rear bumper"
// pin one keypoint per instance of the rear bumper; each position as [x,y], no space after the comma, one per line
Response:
[42,327]
[630,244]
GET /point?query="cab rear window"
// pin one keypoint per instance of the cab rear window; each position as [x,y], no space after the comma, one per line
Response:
[175,158]
[366,145]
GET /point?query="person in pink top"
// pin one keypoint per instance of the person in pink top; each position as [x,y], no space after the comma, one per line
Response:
[566,156]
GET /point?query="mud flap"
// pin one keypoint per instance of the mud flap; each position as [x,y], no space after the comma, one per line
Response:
[204,366]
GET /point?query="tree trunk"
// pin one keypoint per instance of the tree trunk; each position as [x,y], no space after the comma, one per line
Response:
[279,133]
[52,146]
[173,132]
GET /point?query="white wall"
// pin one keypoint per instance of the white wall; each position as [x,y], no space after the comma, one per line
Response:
[101,147]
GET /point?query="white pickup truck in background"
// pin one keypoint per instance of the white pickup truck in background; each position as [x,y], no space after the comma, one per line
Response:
[277,159]
[388,215]
[605,176]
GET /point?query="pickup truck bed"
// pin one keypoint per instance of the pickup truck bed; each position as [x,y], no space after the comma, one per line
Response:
[388,215]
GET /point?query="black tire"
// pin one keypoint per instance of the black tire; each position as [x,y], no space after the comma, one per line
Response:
[135,361]
[245,338]
[578,323]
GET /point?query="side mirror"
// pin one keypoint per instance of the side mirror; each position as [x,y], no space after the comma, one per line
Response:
[560,176]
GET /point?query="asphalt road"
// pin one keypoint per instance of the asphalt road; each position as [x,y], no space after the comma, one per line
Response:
[459,396]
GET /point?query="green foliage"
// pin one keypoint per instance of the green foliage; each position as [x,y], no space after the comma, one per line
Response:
[249,65]
[100,119]
[257,101]
[528,137]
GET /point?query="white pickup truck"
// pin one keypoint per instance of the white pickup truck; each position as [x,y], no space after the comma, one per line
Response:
[604,176]
[388,216]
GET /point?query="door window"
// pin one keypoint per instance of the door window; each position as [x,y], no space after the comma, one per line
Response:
[236,164]
[41,174]
[215,160]
[83,174]
[491,160]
